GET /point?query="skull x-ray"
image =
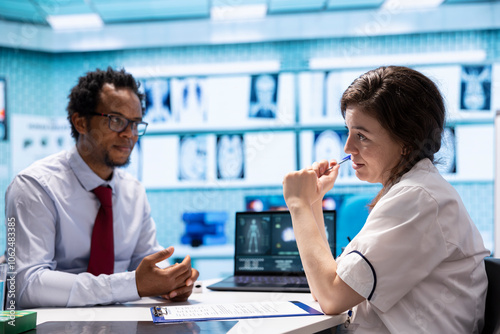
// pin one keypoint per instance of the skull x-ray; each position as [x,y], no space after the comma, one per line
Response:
[475,88]
[263,96]
[230,157]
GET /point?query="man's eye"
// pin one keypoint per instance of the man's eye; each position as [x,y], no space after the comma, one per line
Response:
[117,120]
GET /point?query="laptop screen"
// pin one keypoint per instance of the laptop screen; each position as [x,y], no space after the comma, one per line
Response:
[265,243]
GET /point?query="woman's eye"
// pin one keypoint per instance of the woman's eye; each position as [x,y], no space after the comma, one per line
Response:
[361,136]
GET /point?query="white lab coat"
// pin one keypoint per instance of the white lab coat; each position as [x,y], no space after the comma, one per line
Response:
[418,260]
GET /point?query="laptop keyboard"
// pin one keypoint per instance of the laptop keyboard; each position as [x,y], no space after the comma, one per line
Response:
[271,280]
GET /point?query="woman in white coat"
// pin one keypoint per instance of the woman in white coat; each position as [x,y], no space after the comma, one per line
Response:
[417,264]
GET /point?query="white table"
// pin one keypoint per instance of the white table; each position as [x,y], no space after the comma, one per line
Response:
[140,311]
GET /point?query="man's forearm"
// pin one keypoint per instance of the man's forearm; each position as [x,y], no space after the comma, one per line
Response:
[49,288]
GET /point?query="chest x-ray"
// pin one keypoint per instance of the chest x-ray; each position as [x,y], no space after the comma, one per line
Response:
[189,100]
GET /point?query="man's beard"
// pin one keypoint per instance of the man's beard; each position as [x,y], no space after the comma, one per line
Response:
[110,163]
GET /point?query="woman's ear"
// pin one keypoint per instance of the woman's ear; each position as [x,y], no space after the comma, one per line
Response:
[80,123]
[405,150]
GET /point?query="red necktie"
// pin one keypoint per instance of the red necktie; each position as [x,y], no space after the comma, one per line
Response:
[102,250]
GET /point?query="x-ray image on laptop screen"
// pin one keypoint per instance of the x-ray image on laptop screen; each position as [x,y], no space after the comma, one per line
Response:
[265,242]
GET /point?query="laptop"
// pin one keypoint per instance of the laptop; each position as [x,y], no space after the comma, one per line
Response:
[266,257]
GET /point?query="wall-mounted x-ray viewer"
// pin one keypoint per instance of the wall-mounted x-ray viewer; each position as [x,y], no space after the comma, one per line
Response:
[35,137]
[475,152]
[266,100]
[467,90]
[475,88]
[230,158]
[446,157]
[180,70]
[320,93]
[158,106]
[134,166]
[174,102]
[218,160]
[403,59]
[256,101]
[326,144]
[263,96]
[495,89]
[460,156]
[193,152]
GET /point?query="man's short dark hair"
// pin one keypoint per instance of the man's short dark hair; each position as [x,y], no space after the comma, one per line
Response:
[84,97]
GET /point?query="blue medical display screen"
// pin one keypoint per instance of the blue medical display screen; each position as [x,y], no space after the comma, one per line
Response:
[265,241]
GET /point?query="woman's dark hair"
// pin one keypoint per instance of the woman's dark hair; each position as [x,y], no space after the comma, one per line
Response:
[84,97]
[408,105]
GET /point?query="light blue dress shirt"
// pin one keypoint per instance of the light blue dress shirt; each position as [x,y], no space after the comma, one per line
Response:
[54,211]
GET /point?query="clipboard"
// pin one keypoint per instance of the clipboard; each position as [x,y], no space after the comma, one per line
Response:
[231,311]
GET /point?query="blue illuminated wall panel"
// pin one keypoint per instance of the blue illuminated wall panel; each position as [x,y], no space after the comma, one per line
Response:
[38,84]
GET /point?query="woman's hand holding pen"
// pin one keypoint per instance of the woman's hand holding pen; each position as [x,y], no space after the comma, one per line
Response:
[306,186]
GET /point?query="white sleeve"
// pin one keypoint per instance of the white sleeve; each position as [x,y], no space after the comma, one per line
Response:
[37,282]
[357,272]
[50,288]
[400,244]
[147,243]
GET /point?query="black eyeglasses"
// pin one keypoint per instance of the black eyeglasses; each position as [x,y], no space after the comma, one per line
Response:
[119,124]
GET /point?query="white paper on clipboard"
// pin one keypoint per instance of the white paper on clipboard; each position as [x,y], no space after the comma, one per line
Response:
[231,311]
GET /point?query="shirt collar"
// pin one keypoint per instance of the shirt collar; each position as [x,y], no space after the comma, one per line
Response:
[88,179]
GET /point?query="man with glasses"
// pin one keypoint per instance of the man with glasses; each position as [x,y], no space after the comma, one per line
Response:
[84,234]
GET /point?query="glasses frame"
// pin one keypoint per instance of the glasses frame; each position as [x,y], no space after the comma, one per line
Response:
[134,129]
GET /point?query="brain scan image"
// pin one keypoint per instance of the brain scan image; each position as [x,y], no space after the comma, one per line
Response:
[327,145]
[193,158]
[230,157]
